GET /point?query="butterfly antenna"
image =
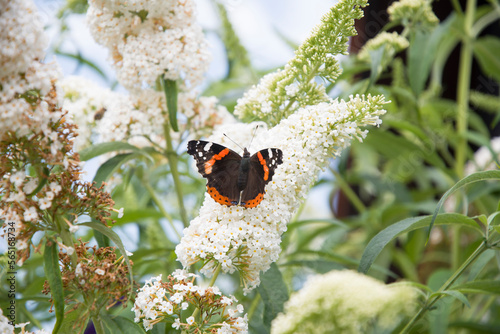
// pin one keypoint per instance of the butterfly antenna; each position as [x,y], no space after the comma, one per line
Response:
[253,136]
[233,141]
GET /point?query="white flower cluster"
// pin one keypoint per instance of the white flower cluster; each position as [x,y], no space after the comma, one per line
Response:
[392,42]
[7,328]
[158,300]
[23,186]
[248,240]
[86,103]
[18,116]
[103,115]
[26,83]
[413,11]
[147,39]
[358,303]
[22,39]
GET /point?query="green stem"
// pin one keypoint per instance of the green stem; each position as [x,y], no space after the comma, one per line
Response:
[173,160]
[98,325]
[212,282]
[462,112]
[463,88]
[66,239]
[351,195]
[160,206]
[253,306]
[216,274]
[484,246]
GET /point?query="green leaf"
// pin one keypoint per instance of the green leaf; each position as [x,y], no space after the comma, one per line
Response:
[486,49]
[377,244]
[274,293]
[170,89]
[476,177]
[422,53]
[456,294]
[480,286]
[53,274]
[118,242]
[99,149]
[320,266]
[397,147]
[376,60]
[102,240]
[80,314]
[109,167]
[78,57]
[120,325]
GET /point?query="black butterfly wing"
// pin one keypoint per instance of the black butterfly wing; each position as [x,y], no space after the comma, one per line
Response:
[220,166]
[262,167]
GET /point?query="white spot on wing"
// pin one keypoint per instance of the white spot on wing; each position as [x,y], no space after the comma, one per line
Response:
[208,146]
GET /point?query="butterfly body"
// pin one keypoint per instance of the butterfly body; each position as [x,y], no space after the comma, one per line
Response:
[233,179]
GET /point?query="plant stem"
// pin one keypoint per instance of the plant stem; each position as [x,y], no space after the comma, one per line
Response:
[173,160]
[484,246]
[216,274]
[66,239]
[97,325]
[254,305]
[160,206]
[351,195]
[462,112]
[463,88]
[212,282]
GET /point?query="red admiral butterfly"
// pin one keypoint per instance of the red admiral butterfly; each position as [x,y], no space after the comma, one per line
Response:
[232,179]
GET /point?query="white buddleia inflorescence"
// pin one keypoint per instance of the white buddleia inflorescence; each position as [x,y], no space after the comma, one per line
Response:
[248,240]
[148,39]
[359,303]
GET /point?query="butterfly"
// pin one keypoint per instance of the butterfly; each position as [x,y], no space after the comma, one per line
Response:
[231,178]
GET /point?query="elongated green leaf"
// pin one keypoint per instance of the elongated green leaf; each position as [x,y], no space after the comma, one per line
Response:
[120,325]
[108,168]
[376,62]
[82,60]
[326,221]
[320,266]
[486,49]
[395,147]
[377,244]
[138,215]
[421,55]
[170,89]
[53,274]
[476,177]
[455,294]
[274,293]
[118,242]
[99,149]
[480,286]
[80,314]
[102,240]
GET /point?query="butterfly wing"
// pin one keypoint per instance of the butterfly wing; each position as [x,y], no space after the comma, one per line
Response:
[262,167]
[220,166]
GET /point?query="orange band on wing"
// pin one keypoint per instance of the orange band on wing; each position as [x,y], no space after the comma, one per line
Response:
[264,165]
[254,202]
[211,162]
[218,197]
